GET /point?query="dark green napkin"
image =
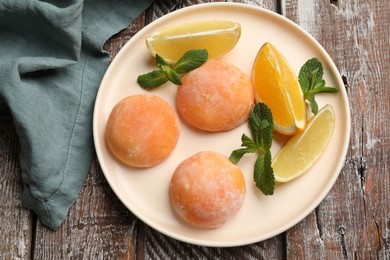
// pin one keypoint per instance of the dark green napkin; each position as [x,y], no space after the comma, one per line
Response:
[51,65]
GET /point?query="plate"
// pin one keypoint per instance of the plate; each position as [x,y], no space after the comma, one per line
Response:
[145,192]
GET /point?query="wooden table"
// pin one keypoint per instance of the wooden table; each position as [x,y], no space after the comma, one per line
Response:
[352,222]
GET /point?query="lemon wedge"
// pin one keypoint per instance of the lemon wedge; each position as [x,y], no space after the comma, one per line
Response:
[303,149]
[276,85]
[218,37]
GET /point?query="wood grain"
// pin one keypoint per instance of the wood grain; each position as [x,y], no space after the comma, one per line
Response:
[98,226]
[16,223]
[353,221]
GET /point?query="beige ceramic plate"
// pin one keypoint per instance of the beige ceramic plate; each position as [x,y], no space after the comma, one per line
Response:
[145,192]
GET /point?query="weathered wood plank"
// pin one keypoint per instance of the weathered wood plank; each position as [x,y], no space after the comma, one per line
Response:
[158,246]
[354,219]
[267,4]
[16,222]
[98,226]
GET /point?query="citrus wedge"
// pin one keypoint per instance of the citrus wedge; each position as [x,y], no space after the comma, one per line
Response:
[217,36]
[303,149]
[277,86]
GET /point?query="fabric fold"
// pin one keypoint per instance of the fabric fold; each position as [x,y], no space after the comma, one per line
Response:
[51,67]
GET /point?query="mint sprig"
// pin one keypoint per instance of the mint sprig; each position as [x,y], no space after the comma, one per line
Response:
[311,80]
[152,79]
[261,125]
[191,60]
[171,75]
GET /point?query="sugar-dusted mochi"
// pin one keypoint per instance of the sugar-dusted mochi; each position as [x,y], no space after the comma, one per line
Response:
[217,96]
[142,130]
[207,190]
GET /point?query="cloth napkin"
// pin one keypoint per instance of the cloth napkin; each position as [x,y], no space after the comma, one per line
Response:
[51,65]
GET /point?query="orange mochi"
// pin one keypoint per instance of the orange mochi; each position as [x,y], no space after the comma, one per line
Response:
[207,190]
[142,130]
[217,96]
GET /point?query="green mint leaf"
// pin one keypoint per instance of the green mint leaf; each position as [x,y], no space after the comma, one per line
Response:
[325,89]
[160,61]
[171,74]
[264,174]
[311,81]
[250,147]
[248,142]
[316,75]
[309,73]
[313,104]
[152,79]
[236,155]
[261,123]
[191,60]
[319,84]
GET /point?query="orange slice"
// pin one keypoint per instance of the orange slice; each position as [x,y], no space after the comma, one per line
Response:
[277,86]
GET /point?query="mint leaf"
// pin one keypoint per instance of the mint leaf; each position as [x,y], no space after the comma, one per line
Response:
[236,155]
[311,81]
[264,174]
[160,61]
[324,89]
[248,142]
[313,103]
[309,73]
[261,124]
[152,79]
[250,147]
[171,75]
[191,60]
